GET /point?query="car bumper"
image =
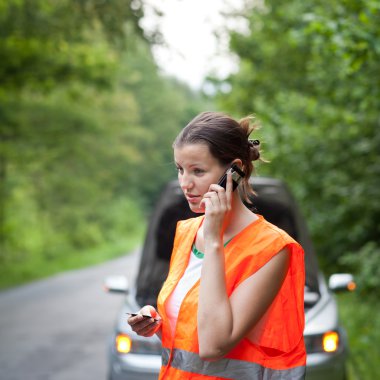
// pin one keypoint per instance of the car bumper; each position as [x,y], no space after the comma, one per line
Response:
[135,367]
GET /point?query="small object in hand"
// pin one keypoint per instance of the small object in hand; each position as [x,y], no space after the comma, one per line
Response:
[143,315]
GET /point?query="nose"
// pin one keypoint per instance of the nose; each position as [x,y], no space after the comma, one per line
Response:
[185,181]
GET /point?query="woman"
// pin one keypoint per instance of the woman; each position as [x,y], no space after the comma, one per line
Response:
[232,304]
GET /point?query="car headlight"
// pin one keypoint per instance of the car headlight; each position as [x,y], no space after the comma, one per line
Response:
[327,342]
[124,344]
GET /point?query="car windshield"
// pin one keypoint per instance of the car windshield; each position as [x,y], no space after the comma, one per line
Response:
[273,201]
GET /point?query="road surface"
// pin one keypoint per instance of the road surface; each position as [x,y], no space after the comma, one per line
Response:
[58,328]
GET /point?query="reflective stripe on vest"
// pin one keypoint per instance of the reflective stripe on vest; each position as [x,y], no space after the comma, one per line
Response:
[228,368]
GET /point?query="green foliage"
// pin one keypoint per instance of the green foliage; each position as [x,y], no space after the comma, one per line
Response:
[366,263]
[361,319]
[59,189]
[45,42]
[86,127]
[310,72]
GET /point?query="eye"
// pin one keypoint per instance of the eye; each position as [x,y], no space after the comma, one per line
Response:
[198,171]
[179,169]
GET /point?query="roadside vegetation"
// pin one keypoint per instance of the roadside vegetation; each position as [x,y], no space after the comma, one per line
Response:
[362,322]
[86,126]
[310,71]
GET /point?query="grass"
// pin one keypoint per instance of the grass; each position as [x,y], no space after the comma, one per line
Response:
[361,318]
[38,267]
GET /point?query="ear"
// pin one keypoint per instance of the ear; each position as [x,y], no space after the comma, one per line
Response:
[238,162]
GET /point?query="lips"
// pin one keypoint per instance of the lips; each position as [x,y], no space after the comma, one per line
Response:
[192,198]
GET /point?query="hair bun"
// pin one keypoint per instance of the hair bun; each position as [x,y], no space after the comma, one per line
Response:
[254,149]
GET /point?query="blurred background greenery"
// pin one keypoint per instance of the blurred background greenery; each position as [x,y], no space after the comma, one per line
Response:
[87,120]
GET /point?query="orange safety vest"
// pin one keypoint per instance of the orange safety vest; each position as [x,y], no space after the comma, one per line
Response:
[275,348]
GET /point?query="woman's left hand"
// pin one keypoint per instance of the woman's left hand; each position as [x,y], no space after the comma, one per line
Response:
[217,202]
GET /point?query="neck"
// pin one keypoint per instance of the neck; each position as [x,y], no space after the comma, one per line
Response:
[239,217]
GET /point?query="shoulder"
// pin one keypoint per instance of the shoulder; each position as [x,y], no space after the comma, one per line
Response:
[184,235]
[270,234]
[277,240]
[189,223]
[186,228]
[260,243]
[261,235]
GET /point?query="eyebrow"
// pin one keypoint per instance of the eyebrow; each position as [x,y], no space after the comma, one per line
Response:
[191,165]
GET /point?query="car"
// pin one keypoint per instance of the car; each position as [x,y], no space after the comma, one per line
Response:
[132,357]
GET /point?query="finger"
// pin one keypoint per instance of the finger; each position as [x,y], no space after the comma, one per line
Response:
[147,331]
[214,201]
[222,195]
[214,192]
[137,321]
[140,320]
[206,204]
[143,326]
[151,330]
[206,201]
[216,188]
[229,189]
[148,310]
[133,320]
[219,200]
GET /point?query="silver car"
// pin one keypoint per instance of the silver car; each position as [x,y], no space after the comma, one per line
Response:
[135,358]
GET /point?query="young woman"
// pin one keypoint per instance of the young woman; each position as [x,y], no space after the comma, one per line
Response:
[232,304]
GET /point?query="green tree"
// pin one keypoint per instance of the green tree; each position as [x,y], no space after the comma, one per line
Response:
[48,42]
[311,73]
[86,126]
[45,44]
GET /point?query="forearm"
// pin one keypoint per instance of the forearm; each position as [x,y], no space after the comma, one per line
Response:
[223,321]
[215,319]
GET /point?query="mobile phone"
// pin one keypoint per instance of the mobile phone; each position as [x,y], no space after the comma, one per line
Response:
[143,315]
[237,175]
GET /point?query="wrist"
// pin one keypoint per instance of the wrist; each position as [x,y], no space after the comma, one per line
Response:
[213,245]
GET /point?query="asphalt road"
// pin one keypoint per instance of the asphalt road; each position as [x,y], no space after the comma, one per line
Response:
[58,328]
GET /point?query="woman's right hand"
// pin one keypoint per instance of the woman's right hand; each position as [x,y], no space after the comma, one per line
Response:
[146,326]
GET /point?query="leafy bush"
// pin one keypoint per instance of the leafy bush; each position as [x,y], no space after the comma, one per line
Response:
[366,265]
[361,319]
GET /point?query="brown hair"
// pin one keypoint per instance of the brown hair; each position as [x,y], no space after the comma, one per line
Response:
[227,139]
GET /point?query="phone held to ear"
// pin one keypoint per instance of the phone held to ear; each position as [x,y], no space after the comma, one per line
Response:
[237,175]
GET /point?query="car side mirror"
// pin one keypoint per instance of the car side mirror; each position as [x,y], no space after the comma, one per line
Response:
[340,282]
[116,284]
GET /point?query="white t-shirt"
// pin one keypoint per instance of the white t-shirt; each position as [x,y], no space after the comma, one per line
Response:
[190,277]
